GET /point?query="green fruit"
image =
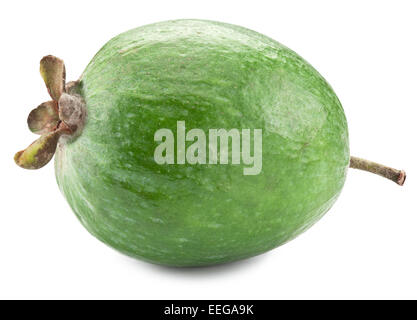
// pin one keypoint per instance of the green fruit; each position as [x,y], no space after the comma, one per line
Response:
[211,76]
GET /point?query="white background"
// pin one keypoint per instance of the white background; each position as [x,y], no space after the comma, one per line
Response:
[365,247]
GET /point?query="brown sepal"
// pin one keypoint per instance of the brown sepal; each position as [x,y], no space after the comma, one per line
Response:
[44,118]
[41,151]
[52,70]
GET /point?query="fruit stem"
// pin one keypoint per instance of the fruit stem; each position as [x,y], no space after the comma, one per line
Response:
[398,176]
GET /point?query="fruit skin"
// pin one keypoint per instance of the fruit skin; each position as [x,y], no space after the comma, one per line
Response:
[212,75]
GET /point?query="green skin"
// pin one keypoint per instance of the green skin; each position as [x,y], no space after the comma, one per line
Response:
[211,75]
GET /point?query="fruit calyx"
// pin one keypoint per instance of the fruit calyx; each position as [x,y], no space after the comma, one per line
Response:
[398,176]
[63,115]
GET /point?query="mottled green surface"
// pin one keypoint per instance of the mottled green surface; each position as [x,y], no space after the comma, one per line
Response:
[211,75]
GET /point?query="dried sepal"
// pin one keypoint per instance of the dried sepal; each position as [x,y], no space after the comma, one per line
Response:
[50,122]
[44,118]
[52,70]
[40,152]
